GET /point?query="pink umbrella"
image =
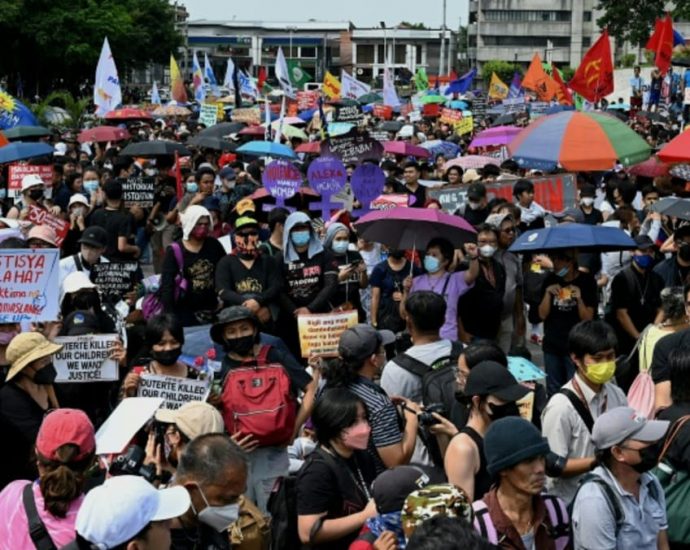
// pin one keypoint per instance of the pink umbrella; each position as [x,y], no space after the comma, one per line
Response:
[500,135]
[252,131]
[652,167]
[103,133]
[471,161]
[128,113]
[313,147]
[404,148]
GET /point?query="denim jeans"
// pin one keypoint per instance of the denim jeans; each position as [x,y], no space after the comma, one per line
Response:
[559,369]
[266,465]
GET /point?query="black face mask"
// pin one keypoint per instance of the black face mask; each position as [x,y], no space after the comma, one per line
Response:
[36,194]
[502,411]
[46,376]
[241,346]
[168,357]
[649,458]
[684,252]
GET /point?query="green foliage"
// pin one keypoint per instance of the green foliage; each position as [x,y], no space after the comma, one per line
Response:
[628,60]
[566,73]
[633,20]
[503,69]
[75,107]
[407,25]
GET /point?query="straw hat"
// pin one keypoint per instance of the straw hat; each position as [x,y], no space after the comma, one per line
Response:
[25,348]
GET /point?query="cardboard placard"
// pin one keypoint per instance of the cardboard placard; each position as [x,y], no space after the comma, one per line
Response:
[247,115]
[174,390]
[29,280]
[138,191]
[319,334]
[86,358]
[41,216]
[208,114]
[384,112]
[348,113]
[353,147]
[282,179]
[464,126]
[125,421]
[17,172]
[114,278]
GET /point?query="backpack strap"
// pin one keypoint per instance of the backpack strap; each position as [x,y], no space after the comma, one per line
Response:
[672,433]
[37,529]
[483,523]
[579,407]
[177,251]
[410,364]
[77,262]
[612,500]
[559,520]
[262,357]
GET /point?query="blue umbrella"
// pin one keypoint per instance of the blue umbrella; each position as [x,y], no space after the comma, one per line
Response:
[458,104]
[437,147]
[265,149]
[307,115]
[573,235]
[20,150]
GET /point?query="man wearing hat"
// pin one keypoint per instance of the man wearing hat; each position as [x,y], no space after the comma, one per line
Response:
[476,209]
[622,505]
[515,513]
[92,245]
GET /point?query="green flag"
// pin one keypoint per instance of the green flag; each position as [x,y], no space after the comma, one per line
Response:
[421,80]
[579,101]
[298,76]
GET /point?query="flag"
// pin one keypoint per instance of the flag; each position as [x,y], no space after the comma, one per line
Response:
[3,140]
[197,79]
[678,39]
[155,96]
[210,77]
[267,120]
[283,75]
[331,85]
[421,80]
[351,87]
[390,96]
[279,130]
[497,88]
[14,113]
[462,84]
[177,90]
[246,85]
[228,80]
[261,78]
[298,76]
[593,78]
[107,94]
[563,95]
[661,43]
[537,80]
[516,87]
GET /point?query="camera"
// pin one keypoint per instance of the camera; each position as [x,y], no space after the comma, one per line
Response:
[132,463]
[555,464]
[426,418]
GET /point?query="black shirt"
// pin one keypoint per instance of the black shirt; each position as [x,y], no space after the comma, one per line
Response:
[347,291]
[679,451]
[236,283]
[482,479]
[672,272]
[660,369]
[117,223]
[419,195]
[480,307]
[308,282]
[475,217]
[595,217]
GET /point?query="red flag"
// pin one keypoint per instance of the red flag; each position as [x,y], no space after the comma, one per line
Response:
[178,178]
[261,78]
[452,76]
[562,93]
[3,140]
[538,80]
[661,43]
[593,78]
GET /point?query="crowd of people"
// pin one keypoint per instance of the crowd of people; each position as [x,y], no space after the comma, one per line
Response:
[481,400]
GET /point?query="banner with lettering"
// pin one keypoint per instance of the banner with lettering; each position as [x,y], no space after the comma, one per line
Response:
[174,390]
[86,358]
[29,280]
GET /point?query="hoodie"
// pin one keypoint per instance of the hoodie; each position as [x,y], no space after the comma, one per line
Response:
[289,252]
[189,218]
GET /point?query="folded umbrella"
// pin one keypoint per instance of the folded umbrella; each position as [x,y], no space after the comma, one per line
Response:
[594,238]
[157,148]
[20,150]
[405,148]
[103,134]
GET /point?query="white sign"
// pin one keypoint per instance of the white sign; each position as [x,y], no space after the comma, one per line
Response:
[86,358]
[126,420]
[174,390]
[208,114]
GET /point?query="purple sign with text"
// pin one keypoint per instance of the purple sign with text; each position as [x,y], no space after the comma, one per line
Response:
[282,180]
[327,176]
[367,183]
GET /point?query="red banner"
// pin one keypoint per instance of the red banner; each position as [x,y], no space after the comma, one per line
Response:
[18,171]
[40,216]
[383,111]
[431,110]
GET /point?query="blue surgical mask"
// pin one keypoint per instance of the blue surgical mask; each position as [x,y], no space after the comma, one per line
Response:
[3,193]
[432,264]
[191,187]
[300,238]
[90,186]
[644,261]
[562,272]
[340,247]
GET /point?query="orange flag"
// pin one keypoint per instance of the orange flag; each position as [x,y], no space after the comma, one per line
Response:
[538,80]
[661,43]
[3,140]
[563,95]
[593,78]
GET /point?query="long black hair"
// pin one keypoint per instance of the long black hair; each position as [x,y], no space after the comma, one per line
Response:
[335,410]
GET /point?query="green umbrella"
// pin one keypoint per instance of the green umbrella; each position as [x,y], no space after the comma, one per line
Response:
[21,132]
[344,102]
[371,97]
[427,99]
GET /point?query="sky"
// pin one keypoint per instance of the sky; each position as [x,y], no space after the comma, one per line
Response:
[362,13]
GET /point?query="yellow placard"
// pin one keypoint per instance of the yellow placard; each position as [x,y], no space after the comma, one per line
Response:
[465,126]
[526,406]
[319,334]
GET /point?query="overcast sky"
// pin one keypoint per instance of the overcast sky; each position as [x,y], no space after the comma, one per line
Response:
[362,13]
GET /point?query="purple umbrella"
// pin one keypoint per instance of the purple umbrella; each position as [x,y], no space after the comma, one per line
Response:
[405,148]
[407,228]
[500,135]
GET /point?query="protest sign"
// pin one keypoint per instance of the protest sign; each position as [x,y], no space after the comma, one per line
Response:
[384,112]
[114,278]
[29,280]
[367,183]
[307,100]
[208,114]
[175,390]
[353,147]
[451,116]
[380,135]
[431,110]
[138,191]
[479,106]
[41,216]
[282,179]
[86,358]
[538,108]
[125,421]
[415,116]
[327,176]
[464,126]
[319,334]
[344,198]
[17,172]
[348,113]
[394,200]
[247,115]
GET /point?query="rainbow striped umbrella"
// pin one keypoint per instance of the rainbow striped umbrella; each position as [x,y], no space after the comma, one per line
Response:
[578,141]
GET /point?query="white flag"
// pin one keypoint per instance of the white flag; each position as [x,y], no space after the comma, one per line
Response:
[155,96]
[229,73]
[390,96]
[279,130]
[267,120]
[107,94]
[351,87]
[283,75]
[210,77]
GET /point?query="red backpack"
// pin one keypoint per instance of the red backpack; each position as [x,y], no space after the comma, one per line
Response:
[257,400]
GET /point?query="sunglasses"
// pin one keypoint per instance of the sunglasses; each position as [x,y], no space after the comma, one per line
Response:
[246,234]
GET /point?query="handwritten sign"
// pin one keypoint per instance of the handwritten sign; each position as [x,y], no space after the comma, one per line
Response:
[348,113]
[17,172]
[479,106]
[464,126]
[41,216]
[246,115]
[353,147]
[114,278]
[174,390]
[208,114]
[29,280]
[86,358]
[319,334]
[138,191]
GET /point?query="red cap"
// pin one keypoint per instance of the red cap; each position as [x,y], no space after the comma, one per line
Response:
[64,426]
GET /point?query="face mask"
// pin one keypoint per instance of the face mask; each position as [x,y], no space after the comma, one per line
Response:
[562,272]
[487,250]
[643,262]
[649,458]
[587,201]
[90,186]
[218,517]
[242,346]
[396,254]
[6,337]
[684,252]
[36,194]
[300,238]
[79,211]
[474,205]
[168,357]
[45,376]
[200,232]
[150,171]
[431,264]
[108,166]
[191,187]
[3,193]
[340,247]
[600,373]
[502,411]
[357,436]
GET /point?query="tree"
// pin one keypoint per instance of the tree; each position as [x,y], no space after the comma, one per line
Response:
[408,25]
[632,20]
[503,69]
[75,107]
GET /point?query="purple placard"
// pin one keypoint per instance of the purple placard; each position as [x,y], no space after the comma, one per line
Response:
[327,176]
[282,180]
[367,184]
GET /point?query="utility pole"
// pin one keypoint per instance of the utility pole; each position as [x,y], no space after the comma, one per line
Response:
[442,54]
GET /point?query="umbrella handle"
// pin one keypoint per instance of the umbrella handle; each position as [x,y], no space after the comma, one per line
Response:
[414,250]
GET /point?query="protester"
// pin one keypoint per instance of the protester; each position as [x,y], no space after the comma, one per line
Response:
[446,532]
[92,242]
[117,222]
[352,271]
[531,212]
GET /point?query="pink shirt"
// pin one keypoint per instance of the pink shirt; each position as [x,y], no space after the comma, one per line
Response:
[14,527]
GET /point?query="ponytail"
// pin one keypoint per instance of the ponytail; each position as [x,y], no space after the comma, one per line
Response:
[341,372]
[63,479]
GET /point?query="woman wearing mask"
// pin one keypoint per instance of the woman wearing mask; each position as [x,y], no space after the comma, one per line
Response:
[77,209]
[80,294]
[33,194]
[333,486]
[27,395]
[352,271]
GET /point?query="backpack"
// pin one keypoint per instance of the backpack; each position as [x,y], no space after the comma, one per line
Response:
[251,529]
[256,399]
[152,304]
[558,526]
[641,395]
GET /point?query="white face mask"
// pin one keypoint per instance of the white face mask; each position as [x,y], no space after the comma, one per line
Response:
[487,250]
[218,517]
[586,201]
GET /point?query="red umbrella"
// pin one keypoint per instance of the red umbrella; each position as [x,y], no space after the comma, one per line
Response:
[405,148]
[676,150]
[650,168]
[313,147]
[103,133]
[128,113]
[252,131]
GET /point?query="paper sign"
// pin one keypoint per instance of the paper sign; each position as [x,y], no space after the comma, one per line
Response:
[384,112]
[367,183]
[479,106]
[114,278]
[125,421]
[415,116]
[450,116]
[386,202]
[29,283]
[353,147]
[307,100]
[175,390]
[326,175]
[282,179]
[86,358]
[464,126]
[208,114]
[246,115]
[138,191]
[319,334]
[348,113]
[526,404]
[41,216]
[380,135]
[18,171]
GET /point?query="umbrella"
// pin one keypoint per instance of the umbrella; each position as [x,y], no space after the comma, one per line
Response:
[499,135]
[20,150]
[103,133]
[471,161]
[573,235]
[293,132]
[650,168]
[652,116]
[371,97]
[676,150]
[222,129]
[390,126]
[252,131]
[155,149]
[128,113]
[619,107]
[427,99]
[681,171]
[578,141]
[266,149]
[171,110]
[458,104]
[407,228]
[405,148]
[441,147]
[669,206]
[21,132]
[311,148]
[210,142]
[505,120]
[307,115]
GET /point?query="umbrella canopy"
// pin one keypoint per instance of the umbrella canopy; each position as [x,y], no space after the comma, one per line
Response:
[293,132]
[650,168]
[391,126]
[311,148]
[578,141]
[103,133]
[681,171]
[21,132]
[223,129]
[499,135]
[371,97]
[405,148]
[619,107]
[471,161]
[407,228]
[441,147]
[428,99]
[20,150]
[155,149]
[669,206]
[171,110]
[266,149]
[676,150]
[210,142]
[458,104]
[505,119]
[128,113]
[253,131]
[573,235]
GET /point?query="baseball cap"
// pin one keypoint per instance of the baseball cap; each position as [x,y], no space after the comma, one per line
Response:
[470,175]
[391,487]
[66,426]
[574,214]
[193,419]
[443,499]
[227,173]
[245,221]
[81,322]
[78,198]
[113,513]
[94,236]
[495,220]
[643,242]
[31,180]
[492,378]
[211,203]
[476,191]
[245,205]
[43,233]
[76,281]
[617,425]
[361,341]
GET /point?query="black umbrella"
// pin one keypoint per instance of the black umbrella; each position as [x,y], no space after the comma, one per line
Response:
[653,117]
[223,129]
[23,132]
[674,207]
[505,120]
[618,114]
[391,126]
[155,149]
[210,142]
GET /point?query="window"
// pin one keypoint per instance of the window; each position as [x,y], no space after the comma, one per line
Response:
[381,54]
[512,16]
[586,41]
[307,51]
[365,53]
[587,16]
[418,54]
[399,54]
[527,41]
